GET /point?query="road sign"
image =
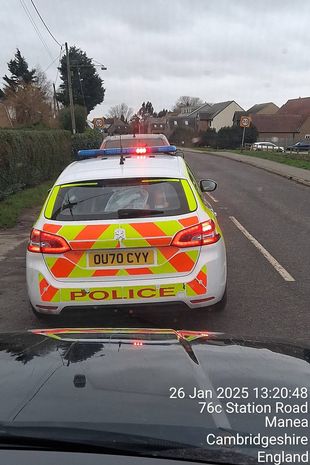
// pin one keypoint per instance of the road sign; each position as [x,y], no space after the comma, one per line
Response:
[245,122]
[98,122]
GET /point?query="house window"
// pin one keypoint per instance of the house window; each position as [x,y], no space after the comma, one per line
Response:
[155,125]
[186,123]
[175,123]
[307,136]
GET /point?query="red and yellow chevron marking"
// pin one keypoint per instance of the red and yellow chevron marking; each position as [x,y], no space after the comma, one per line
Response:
[47,291]
[170,260]
[138,234]
[158,234]
[199,285]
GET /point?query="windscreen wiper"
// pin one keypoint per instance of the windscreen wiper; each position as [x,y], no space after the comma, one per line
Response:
[79,439]
[69,204]
[137,212]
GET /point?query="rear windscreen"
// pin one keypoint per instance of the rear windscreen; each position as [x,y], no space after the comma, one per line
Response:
[119,198]
[134,142]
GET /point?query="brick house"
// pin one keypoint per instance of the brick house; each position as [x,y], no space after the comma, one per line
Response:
[290,124]
[268,108]
[216,115]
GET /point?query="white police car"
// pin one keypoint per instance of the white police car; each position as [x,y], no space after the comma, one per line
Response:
[123,226]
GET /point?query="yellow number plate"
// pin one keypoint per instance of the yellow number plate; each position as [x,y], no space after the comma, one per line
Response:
[117,257]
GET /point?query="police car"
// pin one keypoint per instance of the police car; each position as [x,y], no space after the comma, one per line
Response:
[126,225]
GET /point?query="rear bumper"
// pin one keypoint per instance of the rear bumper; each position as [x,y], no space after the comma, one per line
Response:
[204,286]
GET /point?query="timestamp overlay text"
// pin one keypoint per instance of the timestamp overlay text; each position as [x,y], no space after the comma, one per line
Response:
[270,423]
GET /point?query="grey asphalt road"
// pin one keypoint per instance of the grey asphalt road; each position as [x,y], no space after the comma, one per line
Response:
[261,303]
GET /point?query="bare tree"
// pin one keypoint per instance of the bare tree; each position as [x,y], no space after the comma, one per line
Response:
[30,104]
[186,100]
[121,111]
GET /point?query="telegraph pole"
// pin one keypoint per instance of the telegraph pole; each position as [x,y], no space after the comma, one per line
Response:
[70,91]
[56,104]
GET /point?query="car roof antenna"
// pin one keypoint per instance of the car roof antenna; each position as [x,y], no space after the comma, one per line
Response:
[122,159]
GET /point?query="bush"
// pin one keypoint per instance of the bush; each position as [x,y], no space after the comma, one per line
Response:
[180,135]
[90,139]
[231,137]
[28,158]
[207,138]
[80,118]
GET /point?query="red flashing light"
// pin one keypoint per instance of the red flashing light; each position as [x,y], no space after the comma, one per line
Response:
[43,242]
[137,343]
[198,235]
[141,150]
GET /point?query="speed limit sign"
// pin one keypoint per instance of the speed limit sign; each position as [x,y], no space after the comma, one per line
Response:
[245,121]
[98,122]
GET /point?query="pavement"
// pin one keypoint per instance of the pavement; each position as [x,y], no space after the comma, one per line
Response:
[265,221]
[290,172]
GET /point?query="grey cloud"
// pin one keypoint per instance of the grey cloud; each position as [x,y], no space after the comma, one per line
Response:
[250,51]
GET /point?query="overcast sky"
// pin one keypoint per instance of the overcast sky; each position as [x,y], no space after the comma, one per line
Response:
[243,50]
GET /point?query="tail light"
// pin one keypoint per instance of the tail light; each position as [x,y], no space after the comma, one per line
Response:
[198,235]
[43,242]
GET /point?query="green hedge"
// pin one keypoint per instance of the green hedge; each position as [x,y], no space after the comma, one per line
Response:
[90,139]
[28,158]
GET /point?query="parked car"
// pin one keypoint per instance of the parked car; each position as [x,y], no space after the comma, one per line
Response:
[127,224]
[266,146]
[301,145]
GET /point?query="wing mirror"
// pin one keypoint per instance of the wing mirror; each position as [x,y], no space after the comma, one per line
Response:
[208,185]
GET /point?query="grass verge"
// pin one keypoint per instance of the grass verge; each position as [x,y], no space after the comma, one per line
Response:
[12,207]
[286,159]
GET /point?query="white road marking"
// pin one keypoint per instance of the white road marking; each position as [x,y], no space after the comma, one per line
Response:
[211,197]
[276,265]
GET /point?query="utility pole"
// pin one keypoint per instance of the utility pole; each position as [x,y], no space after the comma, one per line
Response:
[70,91]
[56,104]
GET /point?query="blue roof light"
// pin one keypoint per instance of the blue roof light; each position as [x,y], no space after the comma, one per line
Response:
[125,151]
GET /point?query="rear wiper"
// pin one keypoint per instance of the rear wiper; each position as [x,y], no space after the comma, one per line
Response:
[65,206]
[69,204]
[136,212]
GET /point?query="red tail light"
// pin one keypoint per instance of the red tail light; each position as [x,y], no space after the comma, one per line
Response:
[200,234]
[43,242]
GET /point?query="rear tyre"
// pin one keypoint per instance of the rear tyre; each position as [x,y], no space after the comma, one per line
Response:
[43,316]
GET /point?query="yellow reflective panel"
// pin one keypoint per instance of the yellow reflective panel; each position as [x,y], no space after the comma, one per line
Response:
[80,184]
[191,200]
[51,202]
[160,180]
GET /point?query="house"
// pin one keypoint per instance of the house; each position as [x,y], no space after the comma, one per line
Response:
[116,126]
[208,115]
[290,124]
[268,108]
[283,130]
[156,125]
[296,106]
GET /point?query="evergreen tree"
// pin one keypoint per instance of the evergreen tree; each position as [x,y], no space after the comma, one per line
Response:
[87,86]
[20,73]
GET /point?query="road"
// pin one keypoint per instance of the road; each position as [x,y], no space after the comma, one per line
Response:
[265,220]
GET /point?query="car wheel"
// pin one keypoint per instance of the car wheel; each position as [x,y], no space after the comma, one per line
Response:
[43,316]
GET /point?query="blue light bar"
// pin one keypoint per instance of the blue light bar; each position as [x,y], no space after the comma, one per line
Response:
[126,151]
